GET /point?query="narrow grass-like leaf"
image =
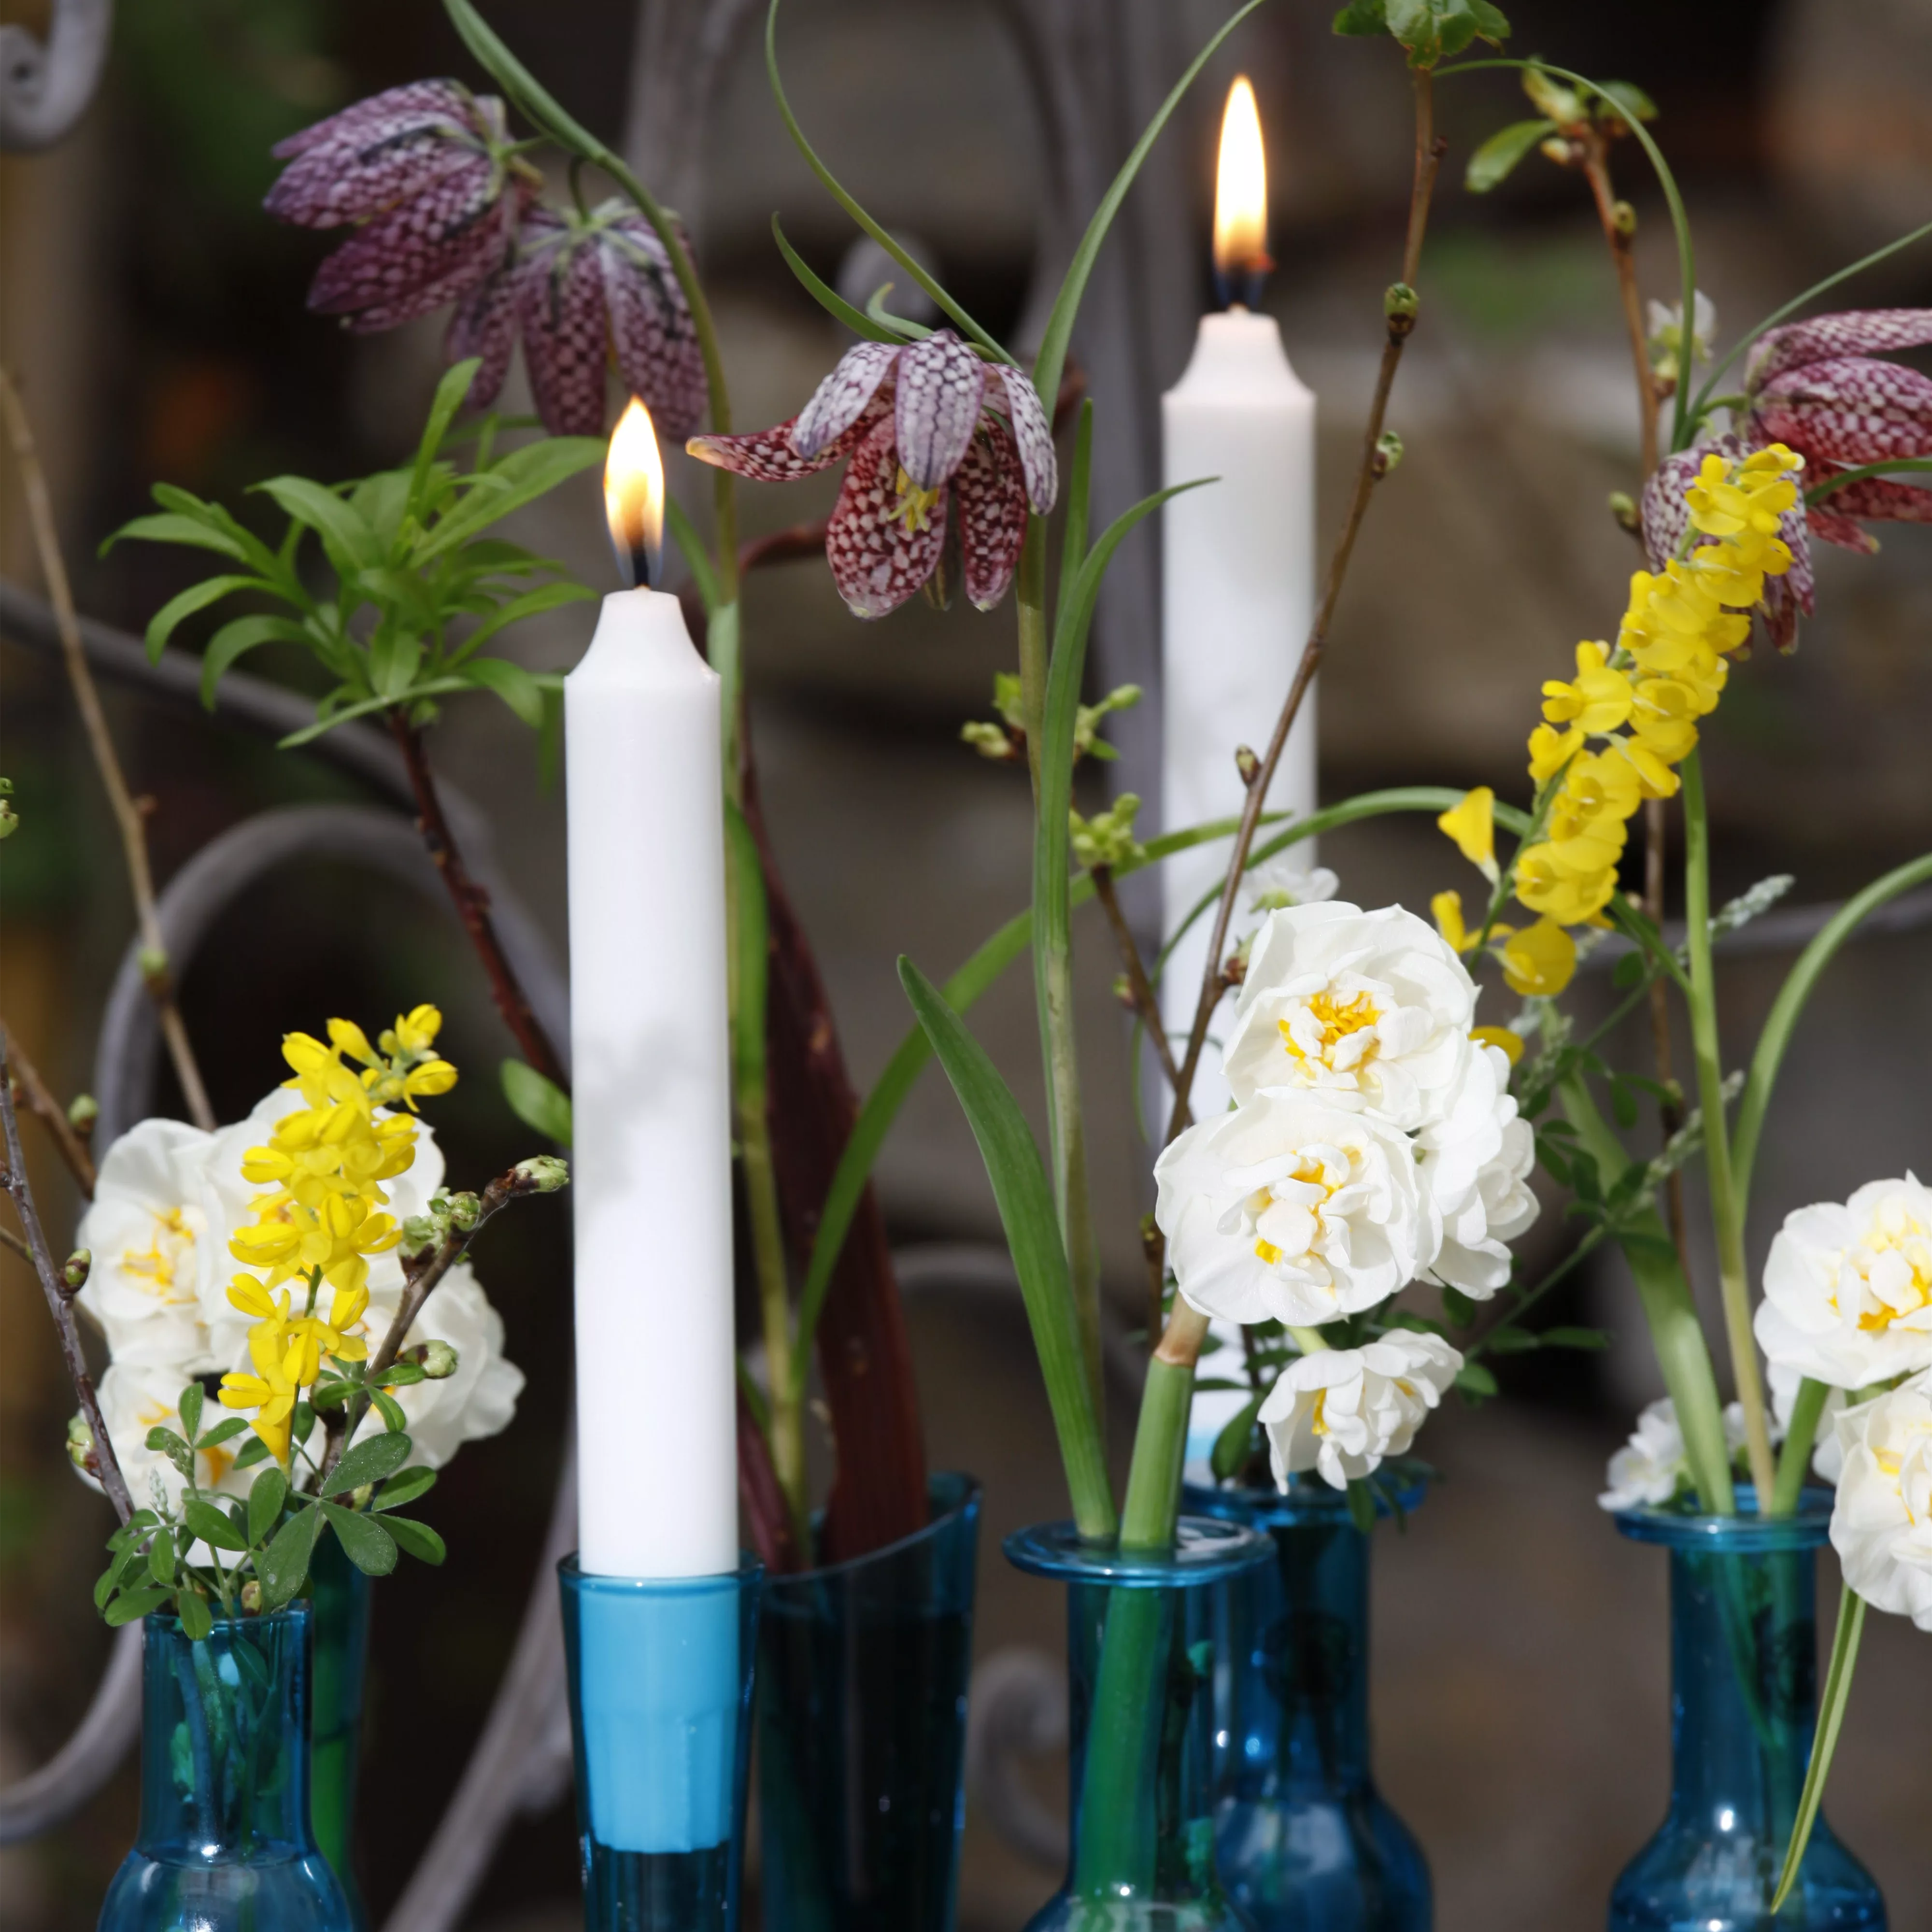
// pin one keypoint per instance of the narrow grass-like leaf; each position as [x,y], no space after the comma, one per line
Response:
[828,298]
[338,523]
[235,639]
[510,682]
[1825,1740]
[1025,1203]
[197,597]
[450,392]
[1231,1446]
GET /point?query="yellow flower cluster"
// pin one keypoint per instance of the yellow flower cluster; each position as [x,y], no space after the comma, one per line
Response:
[323,1215]
[1612,736]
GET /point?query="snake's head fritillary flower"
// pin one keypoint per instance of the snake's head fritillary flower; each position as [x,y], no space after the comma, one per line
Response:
[429,179]
[930,431]
[587,290]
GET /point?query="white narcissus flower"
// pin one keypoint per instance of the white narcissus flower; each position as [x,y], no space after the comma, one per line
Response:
[135,1397]
[480,1399]
[1647,1470]
[1340,1410]
[149,1233]
[1881,1522]
[1373,1006]
[1848,1287]
[1476,1163]
[1279,883]
[1828,1456]
[1292,1208]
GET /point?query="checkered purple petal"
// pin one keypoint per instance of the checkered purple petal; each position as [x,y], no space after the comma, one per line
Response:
[1881,499]
[839,400]
[764,455]
[940,385]
[1032,433]
[1822,338]
[484,324]
[449,98]
[989,491]
[877,561]
[1852,411]
[651,338]
[560,303]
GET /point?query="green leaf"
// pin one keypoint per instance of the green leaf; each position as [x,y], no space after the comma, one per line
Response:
[830,299]
[1362,1504]
[518,478]
[165,1442]
[197,597]
[366,1543]
[684,534]
[1574,1338]
[448,398]
[215,1526]
[395,656]
[176,528]
[251,1452]
[161,1558]
[1473,1379]
[1025,1203]
[1506,1339]
[531,603]
[391,1410]
[369,1461]
[236,638]
[1457,1306]
[510,682]
[223,1431]
[404,1487]
[1495,160]
[191,1607]
[188,1407]
[282,1568]
[1629,101]
[266,1495]
[342,528]
[1231,1446]
[135,1603]
[539,1102]
[418,1538]
[400,1375]
[1430,31]
[1361,18]
[1623,1104]
[1831,1704]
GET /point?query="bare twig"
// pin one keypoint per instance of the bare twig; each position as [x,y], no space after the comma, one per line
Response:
[420,1274]
[1619,232]
[13,1243]
[128,813]
[472,908]
[47,1111]
[1145,1004]
[1400,315]
[60,1301]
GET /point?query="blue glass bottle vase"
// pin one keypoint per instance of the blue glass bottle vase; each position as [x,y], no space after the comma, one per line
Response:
[1142,1665]
[341,1595]
[862,1671]
[1744,1702]
[660,1675]
[1306,1844]
[224,1844]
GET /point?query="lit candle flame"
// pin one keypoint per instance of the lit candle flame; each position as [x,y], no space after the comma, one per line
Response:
[1241,192]
[634,495]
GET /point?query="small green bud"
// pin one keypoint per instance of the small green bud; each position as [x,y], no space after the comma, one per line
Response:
[421,1231]
[439,1361]
[543,1172]
[79,1442]
[1559,150]
[79,1264]
[1123,992]
[9,819]
[153,961]
[251,1597]
[1400,307]
[1388,452]
[1623,507]
[1247,764]
[1623,219]
[463,1210]
[990,740]
[359,1497]
[83,1110]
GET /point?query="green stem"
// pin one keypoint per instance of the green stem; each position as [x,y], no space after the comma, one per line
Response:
[1727,1205]
[1825,1740]
[1668,1309]
[1794,1458]
[724,641]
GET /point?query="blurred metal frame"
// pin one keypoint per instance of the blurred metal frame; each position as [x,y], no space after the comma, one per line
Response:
[45,86]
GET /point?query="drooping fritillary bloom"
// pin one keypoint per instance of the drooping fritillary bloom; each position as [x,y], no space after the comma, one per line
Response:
[587,290]
[930,431]
[426,175]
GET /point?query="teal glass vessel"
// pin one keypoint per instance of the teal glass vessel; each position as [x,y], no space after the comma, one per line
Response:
[1306,1844]
[1142,1662]
[660,1676]
[1743,1703]
[341,1595]
[224,1844]
[863,1673]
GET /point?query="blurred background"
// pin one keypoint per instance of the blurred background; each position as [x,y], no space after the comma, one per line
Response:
[155,318]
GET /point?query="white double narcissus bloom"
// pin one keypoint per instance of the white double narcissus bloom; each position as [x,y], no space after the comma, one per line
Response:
[1293,1209]
[1650,1468]
[1848,1287]
[1374,1006]
[1341,1411]
[1476,1164]
[1882,1523]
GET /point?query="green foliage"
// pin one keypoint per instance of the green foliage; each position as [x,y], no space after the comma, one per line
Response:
[411,565]
[536,1100]
[1427,31]
[1495,160]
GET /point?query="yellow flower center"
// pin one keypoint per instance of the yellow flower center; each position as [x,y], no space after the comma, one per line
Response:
[912,507]
[1319,1420]
[172,1246]
[1337,1020]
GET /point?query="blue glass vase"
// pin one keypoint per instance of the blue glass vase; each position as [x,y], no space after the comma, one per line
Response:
[862,1671]
[1306,1842]
[1142,1666]
[224,1844]
[660,1674]
[341,1595]
[1743,1703]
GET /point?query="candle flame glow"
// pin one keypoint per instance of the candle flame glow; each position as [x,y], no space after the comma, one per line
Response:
[634,494]
[1240,189]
